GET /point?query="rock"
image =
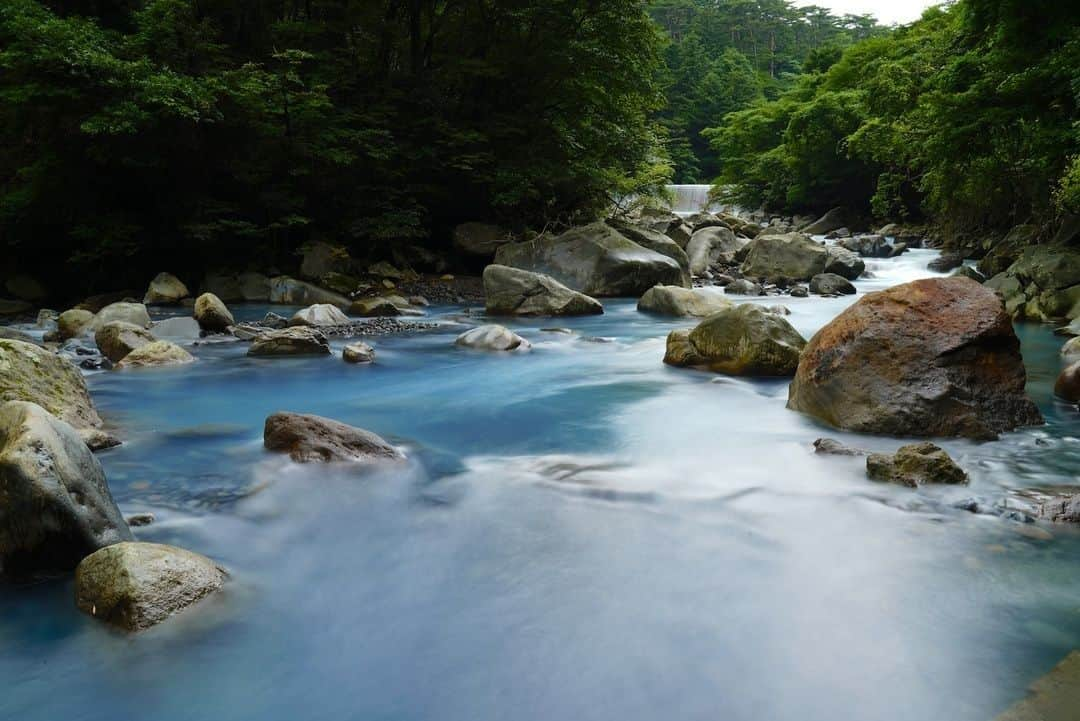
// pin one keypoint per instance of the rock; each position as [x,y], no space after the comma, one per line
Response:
[275,321]
[657,242]
[14,307]
[46,319]
[741,340]
[224,286]
[593,259]
[138,520]
[1067,386]
[138,585]
[710,246]
[1007,251]
[792,255]
[97,439]
[177,329]
[344,284]
[915,465]
[165,289]
[134,313]
[675,228]
[1071,349]
[832,220]
[30,373]
[117,339]
[312,438]
[512,291]
[898,249]
[358,353]
[373,307]
[26,288]
[255,287]
[7,333]
[290,291]
[1054,697]
[945,262]
[1043,284]
[831,284]
[935,357]
[492,337]
[838,233]
[321,314]
[799,291]
[682,302]
[742,286]
[72,323]
[212,314]
[843,262]
[294,341]
[480,239]
[56,507]
[158,353]
[831,447]
[968,271]
[868,246]
[320,259]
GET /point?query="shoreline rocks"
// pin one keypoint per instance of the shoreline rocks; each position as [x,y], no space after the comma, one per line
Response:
[309,438]
[512,291]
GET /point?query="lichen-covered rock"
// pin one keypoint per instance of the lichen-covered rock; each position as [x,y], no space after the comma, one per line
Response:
[792,255]
[55,506]
[833,447]
[137,585]
[512,291]
[158,353]
[30,373]
[298,340]
[358,353]
[935,357]
[320,314]
[118,338]
[743,340]
[313,438]
[1067,386]
[682,302]
[492,337]
[71,323]
[165,289]
[915,465]
[594,259]
[830,284]
[212,314]
[134,313]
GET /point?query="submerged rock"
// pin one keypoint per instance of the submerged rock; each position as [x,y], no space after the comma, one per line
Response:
[118,338]
[358,353]
[138,585]
[294,341]
[594,259]
[935,357]
[945,262]
[741,340]
[320,314]
[915,465]
[158,353]
[179,328]
[679,302]
[1067,386]
[30,373]
[313,438]
[165,289]
[492,337]
[212,314]
[55,507]
[512,291]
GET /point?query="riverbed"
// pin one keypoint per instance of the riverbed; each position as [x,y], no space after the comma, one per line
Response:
[581,533]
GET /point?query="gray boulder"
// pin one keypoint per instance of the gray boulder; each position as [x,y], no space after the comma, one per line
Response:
[512,291]
[178,329]
[299,340]
[711,245]
[792,255]
[682,302]
[138,585]
[158,353]
[743,286]
[658,242]
[833,220]
[868,246]
[831,284]
[134,313]
[313,438]
[320,314]
[843,262]
[492,338]
[56,507]
[117,338]
[744,340]
[72,323]
[165,289]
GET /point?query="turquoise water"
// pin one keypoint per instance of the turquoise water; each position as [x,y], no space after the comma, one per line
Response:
[581,533]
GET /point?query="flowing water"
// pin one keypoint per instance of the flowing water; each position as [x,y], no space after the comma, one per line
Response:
[690,199]
[581,533]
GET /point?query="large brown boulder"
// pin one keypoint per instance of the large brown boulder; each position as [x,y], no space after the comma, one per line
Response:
[313,438]
[935,357]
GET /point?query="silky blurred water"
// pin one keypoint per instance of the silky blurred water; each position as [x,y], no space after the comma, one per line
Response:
[581,533]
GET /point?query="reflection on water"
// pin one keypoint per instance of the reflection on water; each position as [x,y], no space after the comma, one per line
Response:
[582,533]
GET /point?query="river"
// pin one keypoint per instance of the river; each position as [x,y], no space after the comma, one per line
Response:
[582,533]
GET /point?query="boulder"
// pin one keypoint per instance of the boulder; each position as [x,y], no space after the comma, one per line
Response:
[165,289]
[657,242]
[480,239]
[1043,284]
[675,228]
[832,447]
[212,314]
[1071,349]
[741,340]
[831,284]
[177,329]
[968,271]
[358,353]
[792,255]
[320,258]
[374,307]
[711,245]
[134,313]
[512,291]
[833,220]
[290,291]
[915,465]
[945,262]
[492,337]
[1067,386]
[254,287]
[8,333]
[158,353]
[843,262]
[935,357]
[742,286]
[72,323]
[1007,250]
[868,246]
[679,302]
[29,373]
[224,286]
[138,585]
[294,341]
[313,438]
[321,314]
[593,259]
[117,338]
[799,291]
[55,507]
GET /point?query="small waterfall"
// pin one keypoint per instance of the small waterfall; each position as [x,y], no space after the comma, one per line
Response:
[690,198]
